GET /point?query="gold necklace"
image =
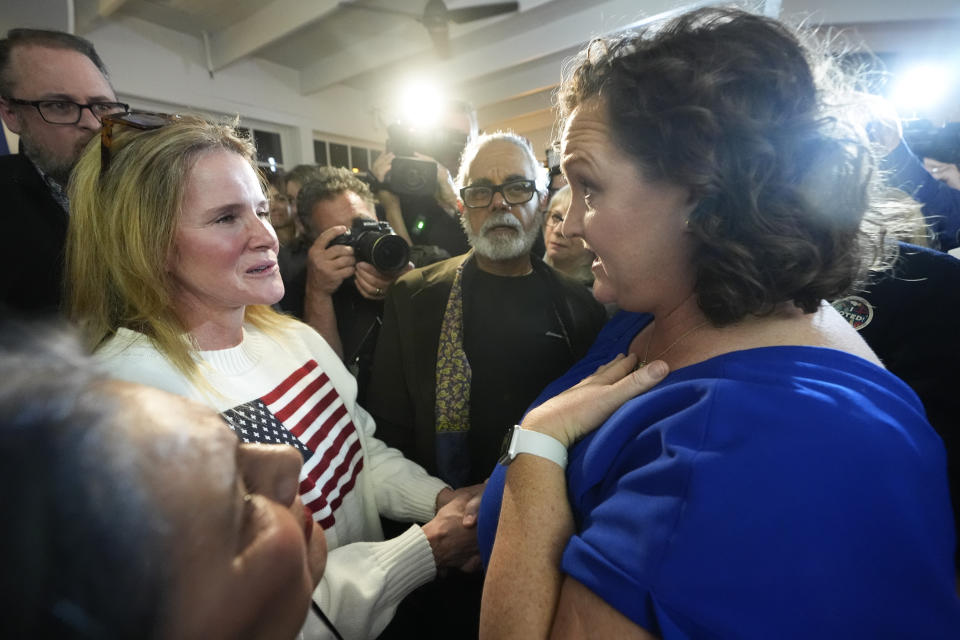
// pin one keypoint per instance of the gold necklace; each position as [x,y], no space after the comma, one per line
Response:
[646,351]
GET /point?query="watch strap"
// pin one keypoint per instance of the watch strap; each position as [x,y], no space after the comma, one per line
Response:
[535,443]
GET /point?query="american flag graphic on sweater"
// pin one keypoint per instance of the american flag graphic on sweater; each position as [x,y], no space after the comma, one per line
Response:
[306,411]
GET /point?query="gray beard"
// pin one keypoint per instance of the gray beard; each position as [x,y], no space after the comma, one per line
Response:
[56,168]
[498,247]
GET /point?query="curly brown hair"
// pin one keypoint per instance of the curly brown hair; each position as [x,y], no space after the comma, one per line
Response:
[727,104]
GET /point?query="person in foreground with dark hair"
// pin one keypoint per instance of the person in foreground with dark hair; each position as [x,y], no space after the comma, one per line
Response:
[134,513]
[778,482]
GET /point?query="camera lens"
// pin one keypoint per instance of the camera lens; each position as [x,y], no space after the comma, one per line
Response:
[389,253]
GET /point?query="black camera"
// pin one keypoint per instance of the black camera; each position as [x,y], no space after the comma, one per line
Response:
[412,176]
[929,141]
[375,242]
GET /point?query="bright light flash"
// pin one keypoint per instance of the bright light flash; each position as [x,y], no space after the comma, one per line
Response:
[420,104]
[920,88]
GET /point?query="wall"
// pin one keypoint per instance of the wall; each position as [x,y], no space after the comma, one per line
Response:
[154,67]
[36,14]
[159,69]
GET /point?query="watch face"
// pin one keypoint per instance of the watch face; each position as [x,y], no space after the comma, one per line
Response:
[505,446]
[505,443]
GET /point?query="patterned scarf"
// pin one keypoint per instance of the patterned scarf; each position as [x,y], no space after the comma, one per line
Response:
[452,407]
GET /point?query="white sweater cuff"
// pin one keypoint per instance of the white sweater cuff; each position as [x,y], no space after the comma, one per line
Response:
[418,500]
[408,562]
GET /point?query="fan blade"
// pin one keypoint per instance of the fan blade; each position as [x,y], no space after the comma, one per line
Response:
[441,40]
[395,12]
[468,14]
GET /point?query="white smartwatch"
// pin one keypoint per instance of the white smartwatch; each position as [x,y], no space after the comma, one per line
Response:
[536,443]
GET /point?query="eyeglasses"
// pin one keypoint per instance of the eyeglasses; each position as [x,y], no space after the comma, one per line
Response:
[66,112]
[513,192]
[142,120]
[554,219]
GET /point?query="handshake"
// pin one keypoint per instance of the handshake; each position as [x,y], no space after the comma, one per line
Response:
[453,531]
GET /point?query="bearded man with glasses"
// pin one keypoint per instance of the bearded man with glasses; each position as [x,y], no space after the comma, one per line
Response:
[468,343]
[54,91]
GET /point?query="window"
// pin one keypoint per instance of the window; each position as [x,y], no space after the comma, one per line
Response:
[339,155]
[268,146]
[320,152]
[358,158]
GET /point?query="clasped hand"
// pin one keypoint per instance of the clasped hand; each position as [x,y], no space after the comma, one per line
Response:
[452,532]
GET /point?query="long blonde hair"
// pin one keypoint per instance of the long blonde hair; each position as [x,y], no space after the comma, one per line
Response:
[122,228]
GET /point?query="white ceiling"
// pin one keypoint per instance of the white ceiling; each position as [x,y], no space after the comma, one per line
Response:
[506,65]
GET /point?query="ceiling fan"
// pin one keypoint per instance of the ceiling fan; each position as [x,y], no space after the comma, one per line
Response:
[436,18]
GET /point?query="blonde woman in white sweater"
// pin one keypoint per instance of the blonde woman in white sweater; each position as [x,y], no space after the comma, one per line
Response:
[172,268]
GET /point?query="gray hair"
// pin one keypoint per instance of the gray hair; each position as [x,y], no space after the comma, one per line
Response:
[477,144]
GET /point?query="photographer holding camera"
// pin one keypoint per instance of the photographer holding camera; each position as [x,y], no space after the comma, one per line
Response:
[414,182]
[351,261]
[906,171]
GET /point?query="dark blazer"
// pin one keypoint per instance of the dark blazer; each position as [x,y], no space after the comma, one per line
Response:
[35,227]
[402,391]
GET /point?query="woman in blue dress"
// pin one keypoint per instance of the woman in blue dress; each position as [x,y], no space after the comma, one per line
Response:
[779,482]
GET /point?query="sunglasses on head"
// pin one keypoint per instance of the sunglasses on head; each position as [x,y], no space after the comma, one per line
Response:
[141,120]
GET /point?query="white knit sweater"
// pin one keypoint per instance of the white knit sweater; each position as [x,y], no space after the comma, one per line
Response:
[349,479]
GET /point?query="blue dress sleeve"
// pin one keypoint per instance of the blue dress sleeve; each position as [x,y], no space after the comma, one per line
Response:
[724,506]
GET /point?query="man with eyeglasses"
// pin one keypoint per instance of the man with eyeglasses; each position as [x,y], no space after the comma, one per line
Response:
[53,92]
[468,343]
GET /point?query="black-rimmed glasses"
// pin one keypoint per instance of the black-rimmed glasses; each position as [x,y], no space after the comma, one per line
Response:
[66,112]
[513,192]
[142,120]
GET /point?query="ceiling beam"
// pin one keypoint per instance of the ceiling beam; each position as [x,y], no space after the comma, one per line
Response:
[520,105]
[543,32]
[273,22]
[541,75]
[564,34]
[560,24]
[91,11]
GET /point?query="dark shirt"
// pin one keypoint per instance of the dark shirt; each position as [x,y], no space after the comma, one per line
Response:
[358,323]
[504,317]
